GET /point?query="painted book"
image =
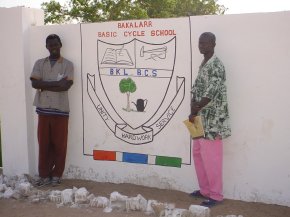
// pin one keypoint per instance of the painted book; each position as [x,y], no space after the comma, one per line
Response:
[117,57]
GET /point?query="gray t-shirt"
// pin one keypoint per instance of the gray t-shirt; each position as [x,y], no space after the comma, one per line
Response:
[42,70]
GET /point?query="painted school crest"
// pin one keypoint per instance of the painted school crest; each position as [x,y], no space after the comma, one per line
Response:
[135,78]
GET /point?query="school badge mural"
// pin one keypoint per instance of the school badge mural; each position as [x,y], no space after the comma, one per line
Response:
[133,79]
[139,73]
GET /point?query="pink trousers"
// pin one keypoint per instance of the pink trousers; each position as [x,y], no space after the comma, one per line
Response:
[208,160]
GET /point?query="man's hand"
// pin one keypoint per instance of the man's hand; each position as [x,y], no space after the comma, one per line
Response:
[65,84]
[195,107]
[55,86]
[191,118]
[62,82]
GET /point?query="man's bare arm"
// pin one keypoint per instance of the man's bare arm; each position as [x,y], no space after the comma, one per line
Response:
[55,86]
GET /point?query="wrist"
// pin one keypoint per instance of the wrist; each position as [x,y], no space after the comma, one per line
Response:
[197,106]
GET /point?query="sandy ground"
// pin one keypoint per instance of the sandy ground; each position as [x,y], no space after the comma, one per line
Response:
[23,208]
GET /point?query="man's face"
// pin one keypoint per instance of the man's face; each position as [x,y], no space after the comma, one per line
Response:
[53,46]
[205,44]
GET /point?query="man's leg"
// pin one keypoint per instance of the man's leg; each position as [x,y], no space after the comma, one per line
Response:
[44,149]
[59,133]
[51,158]
[212,155]
[199,168]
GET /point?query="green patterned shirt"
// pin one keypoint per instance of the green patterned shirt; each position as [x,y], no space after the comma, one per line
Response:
[210,83]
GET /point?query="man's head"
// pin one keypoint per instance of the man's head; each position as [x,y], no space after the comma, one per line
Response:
[206,43]
[53,45]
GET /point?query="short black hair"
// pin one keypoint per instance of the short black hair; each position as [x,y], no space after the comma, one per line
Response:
[209,35]
[53,36]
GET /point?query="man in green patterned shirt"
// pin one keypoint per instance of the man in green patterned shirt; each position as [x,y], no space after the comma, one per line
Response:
[209,99]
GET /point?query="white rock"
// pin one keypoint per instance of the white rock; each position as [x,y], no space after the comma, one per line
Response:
[119,205]
[16,195]
[3,187]
[159,209]
[181,213]
[35,200]
[59,205]
[107,209]
[1,179]
[75,189]
[67,196]
[24,188]
[8,193]
[100,202]
[55,196]
[85,205]
[22,179]
[39,195]
[118,201]
[94,202]
[199,211]
[5,180]
[149,210]
[91,197]
[11,181]
[81,196]
[168,211]
[138,203]
[117,196]
[74,205]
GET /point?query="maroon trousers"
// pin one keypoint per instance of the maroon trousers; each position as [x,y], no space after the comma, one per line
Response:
[52,139]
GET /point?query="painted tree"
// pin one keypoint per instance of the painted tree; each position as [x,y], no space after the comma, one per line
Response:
[127,85]
[107,10]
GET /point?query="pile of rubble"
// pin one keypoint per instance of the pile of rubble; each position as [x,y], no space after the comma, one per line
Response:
[20,187]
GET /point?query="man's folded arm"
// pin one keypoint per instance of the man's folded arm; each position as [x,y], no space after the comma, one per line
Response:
[55,86]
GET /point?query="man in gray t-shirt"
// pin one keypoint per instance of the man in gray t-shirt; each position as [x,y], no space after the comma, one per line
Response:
[52,77]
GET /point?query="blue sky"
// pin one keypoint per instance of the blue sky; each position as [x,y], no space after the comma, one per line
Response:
[234,6]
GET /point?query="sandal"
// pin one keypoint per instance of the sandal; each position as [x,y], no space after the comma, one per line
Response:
[43,182]
[197,194]
[210,202]
[55,181]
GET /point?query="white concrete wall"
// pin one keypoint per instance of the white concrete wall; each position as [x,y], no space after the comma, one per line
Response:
[16,126]
[71,49]
[255,49]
